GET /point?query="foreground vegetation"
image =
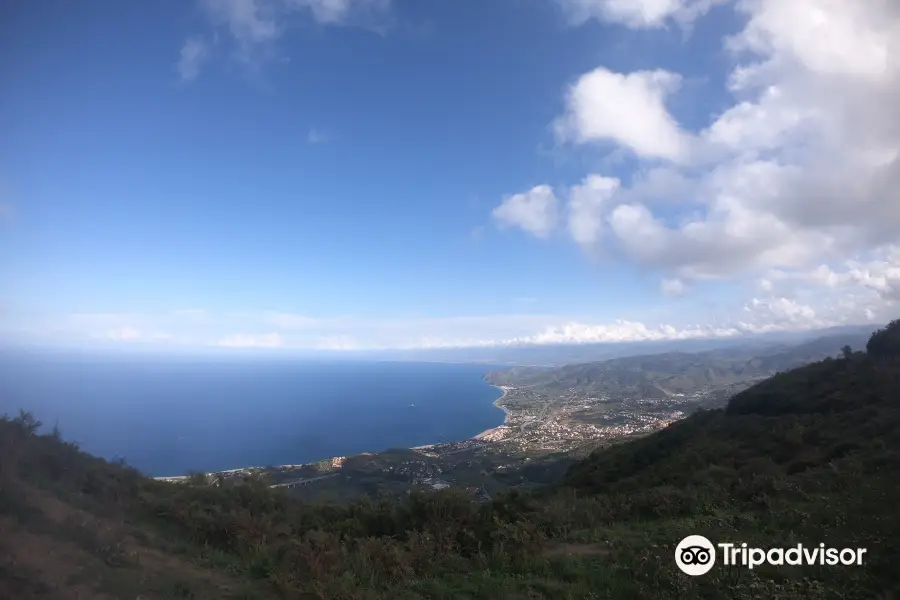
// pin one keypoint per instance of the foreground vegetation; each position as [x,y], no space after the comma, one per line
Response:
[809,456]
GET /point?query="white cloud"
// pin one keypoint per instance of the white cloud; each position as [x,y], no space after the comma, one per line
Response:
[628,109]
[638,14]
[639,232]
[243,340]
[831,37]
[194,52]
[249,22]
[767,314]
[780,309]
[781,314]
[815,139]
[535,211]
[254,26]
[625,331]
[803,168]
[664,186]
[586,205]
[878,276]
[799,174]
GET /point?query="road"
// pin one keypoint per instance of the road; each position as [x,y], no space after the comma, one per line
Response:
[299,482]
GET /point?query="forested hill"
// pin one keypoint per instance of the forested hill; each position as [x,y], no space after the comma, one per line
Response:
[810,456]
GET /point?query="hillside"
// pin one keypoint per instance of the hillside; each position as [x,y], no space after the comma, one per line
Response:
[811,455]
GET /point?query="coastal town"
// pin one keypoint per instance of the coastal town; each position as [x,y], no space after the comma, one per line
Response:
[538,420]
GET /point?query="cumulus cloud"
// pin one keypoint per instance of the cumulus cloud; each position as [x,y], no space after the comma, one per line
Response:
[659,186]
[535,211]
[803,169]
[878,276]
[628,109]
[587,202]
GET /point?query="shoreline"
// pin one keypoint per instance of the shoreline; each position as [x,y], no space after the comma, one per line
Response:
[504,390]
[487,432]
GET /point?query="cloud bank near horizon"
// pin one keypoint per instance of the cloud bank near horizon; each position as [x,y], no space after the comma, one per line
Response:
[271,330]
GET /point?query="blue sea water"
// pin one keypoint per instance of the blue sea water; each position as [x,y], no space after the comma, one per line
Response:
[168,416]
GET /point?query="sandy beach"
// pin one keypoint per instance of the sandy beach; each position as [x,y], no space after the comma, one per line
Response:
[488,432]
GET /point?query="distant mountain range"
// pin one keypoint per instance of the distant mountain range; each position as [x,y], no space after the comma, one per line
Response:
[566,354]
[666,373]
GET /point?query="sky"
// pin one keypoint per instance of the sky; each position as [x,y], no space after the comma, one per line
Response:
[365,174]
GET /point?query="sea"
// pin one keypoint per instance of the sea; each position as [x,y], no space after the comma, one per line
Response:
[168,416]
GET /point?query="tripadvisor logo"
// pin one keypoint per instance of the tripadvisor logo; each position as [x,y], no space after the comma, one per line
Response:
[696,555]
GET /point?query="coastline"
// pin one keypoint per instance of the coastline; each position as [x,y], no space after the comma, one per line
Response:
[487,433]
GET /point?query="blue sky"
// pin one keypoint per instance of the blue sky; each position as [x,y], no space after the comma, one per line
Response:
[368,173]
